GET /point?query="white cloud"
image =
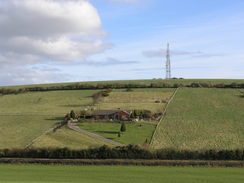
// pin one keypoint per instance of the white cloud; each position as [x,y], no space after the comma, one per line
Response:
[44,31]
[50,30]
[20,76]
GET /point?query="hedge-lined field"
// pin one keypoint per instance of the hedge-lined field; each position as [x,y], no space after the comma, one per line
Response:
[26,116]
[17,131]
[157,83]
[197,118]
[203,119]
[45,103]
[65,137]
[117,174]
[140,99]
[136,133]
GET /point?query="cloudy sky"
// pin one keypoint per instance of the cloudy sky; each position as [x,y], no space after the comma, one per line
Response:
[46,41]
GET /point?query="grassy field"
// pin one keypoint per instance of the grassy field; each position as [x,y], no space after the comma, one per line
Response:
[25,117]
[118,174]
[137,99]
[45,103]
[17,131]
[196,118]
[65,137]
[203,119]
[136,133]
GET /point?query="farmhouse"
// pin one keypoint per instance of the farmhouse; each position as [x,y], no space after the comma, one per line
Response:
[111,115]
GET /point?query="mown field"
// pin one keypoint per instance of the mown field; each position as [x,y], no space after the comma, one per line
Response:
[203,119]
[66,137]
[118,174]
[136,133]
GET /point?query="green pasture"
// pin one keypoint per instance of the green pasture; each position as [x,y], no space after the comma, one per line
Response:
[65,137]
[140,99]
[197,118]
[45,103]
[17,131]
[203,119]
[117,174]
[24,117]
[136,133]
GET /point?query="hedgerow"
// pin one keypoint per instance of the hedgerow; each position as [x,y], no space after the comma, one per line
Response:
[126,152]
[79,86]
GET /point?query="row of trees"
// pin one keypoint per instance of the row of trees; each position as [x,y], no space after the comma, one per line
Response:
[127,152]
[84,86]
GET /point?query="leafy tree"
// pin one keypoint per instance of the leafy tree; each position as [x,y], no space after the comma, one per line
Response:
[73,114]
[123,127]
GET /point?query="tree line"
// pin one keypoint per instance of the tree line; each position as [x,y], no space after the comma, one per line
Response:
[126,152]
[84,86]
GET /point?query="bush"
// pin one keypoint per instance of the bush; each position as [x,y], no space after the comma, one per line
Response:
[73,114]
[123,127]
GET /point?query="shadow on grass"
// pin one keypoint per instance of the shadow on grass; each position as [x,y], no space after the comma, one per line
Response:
[108,132]
[55,119]
[76,105]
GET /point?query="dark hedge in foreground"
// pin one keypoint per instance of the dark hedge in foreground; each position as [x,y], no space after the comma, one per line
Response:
[126,152]
[122,162]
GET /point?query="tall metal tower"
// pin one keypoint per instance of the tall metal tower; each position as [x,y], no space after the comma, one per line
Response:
[168,64]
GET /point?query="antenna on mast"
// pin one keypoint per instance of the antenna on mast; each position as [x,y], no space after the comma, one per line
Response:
[168,64]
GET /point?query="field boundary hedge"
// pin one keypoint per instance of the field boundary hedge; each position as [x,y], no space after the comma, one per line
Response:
[79,86]
[124,152]
[122,162]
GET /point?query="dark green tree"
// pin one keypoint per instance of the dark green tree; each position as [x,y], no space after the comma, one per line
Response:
[73,114]
[123,127]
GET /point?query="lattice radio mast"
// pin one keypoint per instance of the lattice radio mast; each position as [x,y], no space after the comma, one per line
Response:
[168,64]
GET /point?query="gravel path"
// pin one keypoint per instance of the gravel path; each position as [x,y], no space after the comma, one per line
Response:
[77,129]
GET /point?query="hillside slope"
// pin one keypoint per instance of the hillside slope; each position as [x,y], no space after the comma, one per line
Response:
[203,119]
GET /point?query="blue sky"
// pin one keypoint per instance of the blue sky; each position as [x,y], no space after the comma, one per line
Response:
[206,39]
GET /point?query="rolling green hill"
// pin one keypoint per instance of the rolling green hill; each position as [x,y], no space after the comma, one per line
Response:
[201,118]
[25,117]
[197,118]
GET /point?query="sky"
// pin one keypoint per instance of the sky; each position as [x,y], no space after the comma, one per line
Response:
[51,41]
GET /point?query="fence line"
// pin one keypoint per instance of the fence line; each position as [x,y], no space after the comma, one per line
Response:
[163,115]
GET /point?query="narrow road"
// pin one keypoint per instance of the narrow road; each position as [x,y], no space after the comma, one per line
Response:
[84,132]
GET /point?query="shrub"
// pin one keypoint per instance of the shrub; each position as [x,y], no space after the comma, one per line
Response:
[123,127]
[73,114]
